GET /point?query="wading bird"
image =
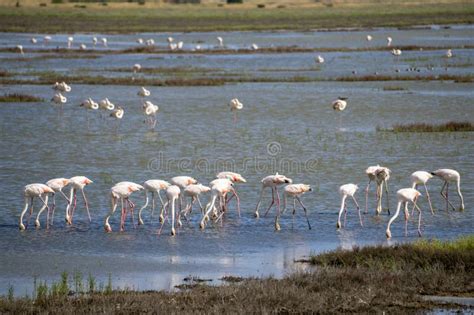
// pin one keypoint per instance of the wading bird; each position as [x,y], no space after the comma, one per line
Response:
[272,181]
[94,41]
[449,175]
[172,193]
[105,104]
[70,39]
[46,40]
[234,178]
[150,42]
[404,196]
[154,186]
[136,68]
[77,183]
[82,47]
[235,105]
[220,41]
[369,38]
[339,104]
[219,188]
[150,110]
[421,178]
[30,192]
[193,191]
[140,41]
[59,99]
[382,175]
[294,191]
[449,53]
[56,184]
[62,87]
[389,41]
[347,190]
[396,52]
[319,59]
[254,47]
[20,49]
[33,40]
[143,92]
[104,41]
[118,115]
[121,191]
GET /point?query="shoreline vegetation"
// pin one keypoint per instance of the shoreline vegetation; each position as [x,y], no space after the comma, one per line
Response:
[150,16]
[51,78]
[19,98]
[451,126]
[398,278]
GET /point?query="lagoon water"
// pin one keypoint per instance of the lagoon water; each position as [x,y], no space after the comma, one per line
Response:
[285,127]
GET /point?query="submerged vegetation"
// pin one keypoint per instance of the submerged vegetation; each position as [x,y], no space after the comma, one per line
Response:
[451,126]
[370,279]
[19,98]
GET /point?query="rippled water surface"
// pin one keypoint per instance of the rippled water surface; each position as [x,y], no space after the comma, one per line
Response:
[286,127]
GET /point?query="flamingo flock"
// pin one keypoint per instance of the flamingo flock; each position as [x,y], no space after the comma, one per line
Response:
[181,188]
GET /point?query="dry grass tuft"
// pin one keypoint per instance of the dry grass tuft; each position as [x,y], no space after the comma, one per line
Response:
[451,126]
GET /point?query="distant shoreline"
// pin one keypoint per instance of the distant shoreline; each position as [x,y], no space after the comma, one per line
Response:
[118,18]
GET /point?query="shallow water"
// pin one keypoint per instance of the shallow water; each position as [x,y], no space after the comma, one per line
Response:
[285,127]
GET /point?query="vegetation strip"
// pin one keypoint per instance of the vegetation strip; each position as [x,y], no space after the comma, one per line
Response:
[451,126]
[132,18]
[369,279]
[19,98]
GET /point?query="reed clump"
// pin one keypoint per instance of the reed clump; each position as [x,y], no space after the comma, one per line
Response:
[19,98]
[451,126]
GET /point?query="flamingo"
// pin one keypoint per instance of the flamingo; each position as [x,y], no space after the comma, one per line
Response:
[143,92]
[347,190]
[33,40]
[154,186]
[219,188]
[30,192]
[449,175]
[371,173]
[172,46]
[404,196]
[77,183]
[150,110]
[46,40]
[89,104]
[182,182]
[272,181]
[234,178]
[421,178]
[118,115]
[193,191]
[382,175]
[172,193]
[105,104]
[140,41]
[70,39]
[104,41]
[59,99]
[369,38]
[56,184]
[339,104]
[122,191]
[170,40]
[179,46]
[62,87]
[449,53]
[20,49]
[396,52]
[319,59]
[254,47]
[295,191]
[136,68]
[220,41]
[94,41]
[389,41]
[82,47]
[235,105]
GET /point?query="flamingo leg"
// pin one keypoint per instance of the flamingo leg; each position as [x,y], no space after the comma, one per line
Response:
[305,211]
[53,207]
[31,212]
[406,219]
[132,212]
[200,204]
[122,217]
[338,225]
[358,210]
[73,207]
[272,203]
[258,203]
[277,217]
[419,218]
[165,206]
[86,204]
[386,191]
[448,203]
[238,200]
[45,206]
[367,197]
[429,199]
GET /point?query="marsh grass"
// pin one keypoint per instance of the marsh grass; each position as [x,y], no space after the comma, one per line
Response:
[451,126]
[19,98]
[393,88]
[372,279]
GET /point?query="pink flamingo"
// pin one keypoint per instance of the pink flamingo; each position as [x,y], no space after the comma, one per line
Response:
[449,175]
[234,178]
[30,192]
[154,186]
[193,191]
[421,178]
[272,181]
[347,190]
[77,183]
[404,196]
[172,193]
[56,184]
[295,191]
[219,188]
[122,191]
